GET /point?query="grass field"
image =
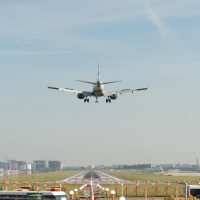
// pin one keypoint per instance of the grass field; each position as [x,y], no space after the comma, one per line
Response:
[157,185]
[142,176]
[38,179]
[153,184]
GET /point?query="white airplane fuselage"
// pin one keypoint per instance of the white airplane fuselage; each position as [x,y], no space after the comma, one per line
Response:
[98,89]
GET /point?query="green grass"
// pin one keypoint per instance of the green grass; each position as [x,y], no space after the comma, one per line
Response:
[39,178]
[142,176]
[163,188]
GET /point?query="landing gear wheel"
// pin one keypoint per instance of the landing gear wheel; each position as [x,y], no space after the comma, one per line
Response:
[108,100]
[86,100]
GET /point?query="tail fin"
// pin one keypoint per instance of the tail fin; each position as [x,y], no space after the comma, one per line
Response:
[98,79]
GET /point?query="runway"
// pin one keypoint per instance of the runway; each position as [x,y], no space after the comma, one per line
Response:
[97,176]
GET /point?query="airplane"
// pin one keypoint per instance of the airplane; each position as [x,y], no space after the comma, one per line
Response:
[98,90]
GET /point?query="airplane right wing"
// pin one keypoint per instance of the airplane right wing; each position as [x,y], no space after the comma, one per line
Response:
[107,94]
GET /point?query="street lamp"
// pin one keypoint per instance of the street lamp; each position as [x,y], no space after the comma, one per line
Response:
[113,194]
[107,190]
[71,194]
[122,198]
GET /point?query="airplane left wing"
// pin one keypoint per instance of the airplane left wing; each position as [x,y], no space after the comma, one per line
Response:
[65,89]
[107,94]
[86,93]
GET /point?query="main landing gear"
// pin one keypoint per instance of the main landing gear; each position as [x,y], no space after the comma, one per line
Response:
[86,100]
[108,100]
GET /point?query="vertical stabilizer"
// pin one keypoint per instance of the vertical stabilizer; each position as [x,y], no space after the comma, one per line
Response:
[98,72]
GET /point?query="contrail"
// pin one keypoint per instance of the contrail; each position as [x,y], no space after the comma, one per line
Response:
[156,20]
[165,32]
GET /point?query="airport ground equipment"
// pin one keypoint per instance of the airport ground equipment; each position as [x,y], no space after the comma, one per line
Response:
[29,195]
[192,192]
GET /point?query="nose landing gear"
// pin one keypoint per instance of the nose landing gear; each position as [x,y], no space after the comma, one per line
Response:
[108,100]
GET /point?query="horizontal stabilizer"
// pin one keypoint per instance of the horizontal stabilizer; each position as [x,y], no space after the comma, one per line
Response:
[104,83]
[86,82]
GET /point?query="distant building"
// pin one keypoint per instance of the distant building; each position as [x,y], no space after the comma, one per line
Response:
[197,163]
[167,166]
[99,167]
[55,165]
[3,166]
[25,167]
[40,166]
[177,166]
[13,165]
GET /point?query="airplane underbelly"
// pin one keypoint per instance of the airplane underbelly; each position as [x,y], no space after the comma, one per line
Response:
[98,93]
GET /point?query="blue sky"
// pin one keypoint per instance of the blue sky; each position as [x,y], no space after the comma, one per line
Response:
[145,43]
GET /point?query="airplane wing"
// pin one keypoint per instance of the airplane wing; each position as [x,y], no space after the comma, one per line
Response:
[107,94]
[65,89]
[86,93]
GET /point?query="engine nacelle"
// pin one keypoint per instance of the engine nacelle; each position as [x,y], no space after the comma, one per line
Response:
[113,97]
[81,96]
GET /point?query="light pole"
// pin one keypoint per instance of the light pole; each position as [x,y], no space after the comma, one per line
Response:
[75,192]
[122,197]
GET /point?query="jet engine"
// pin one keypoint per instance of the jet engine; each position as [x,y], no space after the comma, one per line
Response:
[81,95]
[113,97]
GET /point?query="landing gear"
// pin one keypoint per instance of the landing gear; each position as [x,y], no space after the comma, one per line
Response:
[96,100]
[108,100]
[86,100]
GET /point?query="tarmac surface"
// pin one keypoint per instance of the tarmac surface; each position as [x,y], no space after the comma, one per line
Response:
[97,176]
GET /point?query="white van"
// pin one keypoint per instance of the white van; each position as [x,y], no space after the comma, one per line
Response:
[193,190]
[30,195]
